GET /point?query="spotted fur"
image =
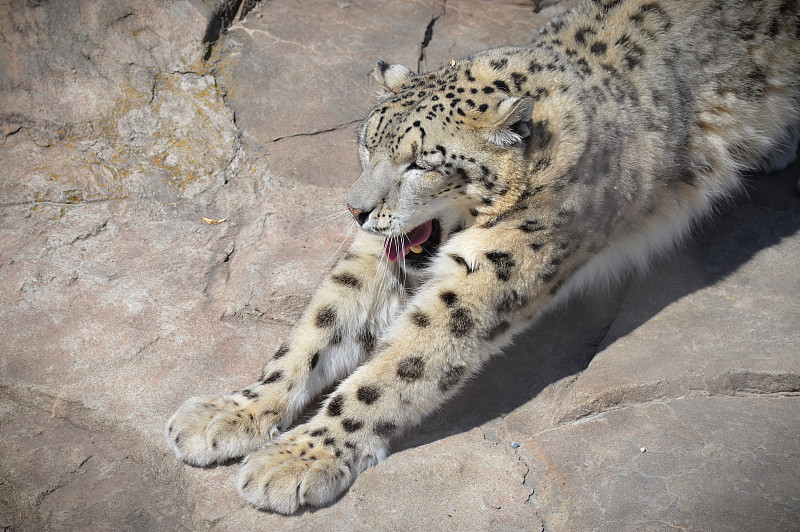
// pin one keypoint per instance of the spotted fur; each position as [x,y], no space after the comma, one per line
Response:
[545,167]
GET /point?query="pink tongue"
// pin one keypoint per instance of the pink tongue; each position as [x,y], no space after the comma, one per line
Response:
[417,236]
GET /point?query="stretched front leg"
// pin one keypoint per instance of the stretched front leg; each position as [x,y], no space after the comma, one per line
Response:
[484,284]
[337,331]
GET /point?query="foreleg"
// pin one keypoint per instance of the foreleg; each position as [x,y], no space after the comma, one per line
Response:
[338,330]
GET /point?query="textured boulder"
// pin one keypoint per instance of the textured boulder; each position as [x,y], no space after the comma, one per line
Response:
[666,401]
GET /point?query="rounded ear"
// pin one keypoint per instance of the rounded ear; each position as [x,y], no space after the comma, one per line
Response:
[390,77]
[511,122]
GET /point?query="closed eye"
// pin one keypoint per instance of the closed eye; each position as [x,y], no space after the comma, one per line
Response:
[414,165]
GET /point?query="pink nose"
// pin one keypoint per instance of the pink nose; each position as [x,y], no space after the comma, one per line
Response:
[358,214]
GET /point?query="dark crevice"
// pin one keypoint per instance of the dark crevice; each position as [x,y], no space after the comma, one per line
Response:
[35,202]
[317,132]
[541,4]
[14,131]
[93,232]
[492,436]
[526,482]
[120,18]
[222,19]
[426,40]
[221,270]
[83,463]
[729,384]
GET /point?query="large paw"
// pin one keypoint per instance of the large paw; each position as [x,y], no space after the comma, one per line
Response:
[299,469]
[212,429]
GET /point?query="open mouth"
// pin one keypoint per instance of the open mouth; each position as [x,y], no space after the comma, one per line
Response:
[417,246]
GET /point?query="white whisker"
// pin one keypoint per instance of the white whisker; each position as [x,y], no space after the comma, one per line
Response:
[374,285]
[327,219]
[344,240]
[405,269]
[385,266]
[346,230]
[399,247]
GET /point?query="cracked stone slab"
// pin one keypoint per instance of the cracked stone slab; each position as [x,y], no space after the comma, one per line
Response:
[115,103]
[314,140]
[692,463]
[63,67]
[398,495]
[739,280]
[283,254]
[327,48]
[461,29]
[327,159]
[113,341]
[59,475]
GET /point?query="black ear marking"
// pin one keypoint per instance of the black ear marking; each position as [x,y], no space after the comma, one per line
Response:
[522,128]
[519,119]
[390,77]
[513,122]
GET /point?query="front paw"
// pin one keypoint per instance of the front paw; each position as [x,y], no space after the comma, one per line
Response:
[303,467]
[213,429]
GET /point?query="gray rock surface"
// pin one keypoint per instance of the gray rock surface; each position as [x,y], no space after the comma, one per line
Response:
[669,400]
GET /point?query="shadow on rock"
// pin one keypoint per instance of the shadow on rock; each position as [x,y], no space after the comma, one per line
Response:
[564,342]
